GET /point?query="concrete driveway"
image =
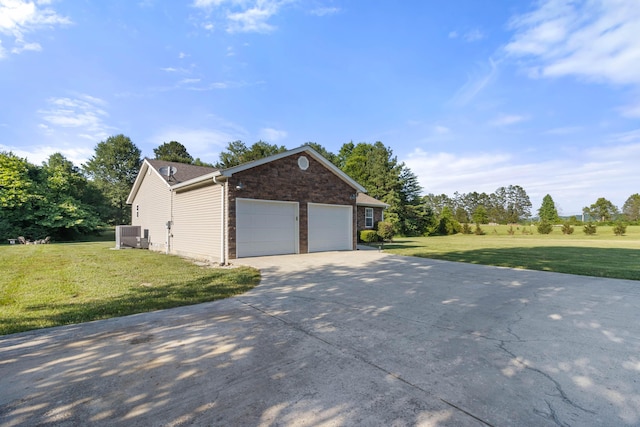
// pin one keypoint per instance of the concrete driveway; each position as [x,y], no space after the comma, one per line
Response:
[347,338]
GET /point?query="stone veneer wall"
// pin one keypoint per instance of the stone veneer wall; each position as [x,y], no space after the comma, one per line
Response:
[284,180]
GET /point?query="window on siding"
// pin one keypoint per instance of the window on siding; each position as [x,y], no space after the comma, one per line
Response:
[368,217]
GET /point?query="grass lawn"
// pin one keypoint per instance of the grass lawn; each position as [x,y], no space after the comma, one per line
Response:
[59,284]
[600,255]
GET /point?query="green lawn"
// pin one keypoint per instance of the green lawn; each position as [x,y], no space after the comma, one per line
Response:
[59,284]
[601,255]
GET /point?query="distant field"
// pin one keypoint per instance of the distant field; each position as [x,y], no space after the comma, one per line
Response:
[600,255]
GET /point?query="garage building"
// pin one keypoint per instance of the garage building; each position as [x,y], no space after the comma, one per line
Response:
[293,202]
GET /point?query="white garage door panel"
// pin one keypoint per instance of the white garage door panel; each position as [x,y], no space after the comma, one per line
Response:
[330,227]
[266,228]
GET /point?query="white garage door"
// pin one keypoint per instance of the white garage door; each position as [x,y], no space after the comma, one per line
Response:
[330,227]
[266,227]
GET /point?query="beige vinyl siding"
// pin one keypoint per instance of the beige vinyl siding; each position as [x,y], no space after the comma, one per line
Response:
[197,223]
[151,209]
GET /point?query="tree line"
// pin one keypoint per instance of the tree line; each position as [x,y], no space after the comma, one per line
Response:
[61,200]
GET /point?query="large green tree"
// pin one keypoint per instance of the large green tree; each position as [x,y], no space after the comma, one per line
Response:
[412,217]
[631,207]
[237,153]
[603,210]
[548,211]
[173,151]
[16,194]
[437,202]
[69,205]
[376,168]
[510,205]
[52,200]
[113,168]
[324,152]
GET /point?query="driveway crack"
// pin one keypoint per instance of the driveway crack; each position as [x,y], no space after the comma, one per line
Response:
[353,353]
[563,395]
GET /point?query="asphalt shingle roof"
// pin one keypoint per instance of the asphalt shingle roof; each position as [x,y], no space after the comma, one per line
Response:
[184,172]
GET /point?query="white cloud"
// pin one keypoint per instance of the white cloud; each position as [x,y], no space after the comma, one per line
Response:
[474,35]
[631,110]
[470,36]
[567,130]
[20,17]
[441,130]
[37,154]
[196,84]
[188,81]
[625,137]
[476,83]
[272,135]
[573,182]
[507,119]
[240,16]
[203,142]
[594,40]
[84,113]
[325,11]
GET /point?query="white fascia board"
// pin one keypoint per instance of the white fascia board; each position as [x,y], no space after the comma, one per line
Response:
[197,180]
[304,148]
[138,182]
[373,205]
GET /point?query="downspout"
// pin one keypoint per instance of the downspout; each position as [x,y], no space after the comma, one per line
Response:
[223,222]
[169,224]
[357,221]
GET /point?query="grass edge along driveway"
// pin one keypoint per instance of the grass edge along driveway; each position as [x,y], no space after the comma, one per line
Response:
[602,255]
[61,284]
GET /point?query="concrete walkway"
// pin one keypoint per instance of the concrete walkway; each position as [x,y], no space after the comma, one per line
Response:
[346,338]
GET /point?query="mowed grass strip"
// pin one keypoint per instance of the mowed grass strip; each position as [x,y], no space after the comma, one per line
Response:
[601,255]
[60,284]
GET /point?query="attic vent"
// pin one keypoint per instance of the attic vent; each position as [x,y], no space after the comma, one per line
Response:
[303,162]
[168,171]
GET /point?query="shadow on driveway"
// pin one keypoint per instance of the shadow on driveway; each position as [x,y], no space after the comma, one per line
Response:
[346,338]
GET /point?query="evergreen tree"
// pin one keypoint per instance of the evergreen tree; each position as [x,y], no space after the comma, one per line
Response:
[548,211]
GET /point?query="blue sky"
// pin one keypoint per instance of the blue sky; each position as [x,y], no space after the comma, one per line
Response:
[471,95]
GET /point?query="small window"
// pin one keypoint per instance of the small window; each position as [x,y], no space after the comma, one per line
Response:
[368,217]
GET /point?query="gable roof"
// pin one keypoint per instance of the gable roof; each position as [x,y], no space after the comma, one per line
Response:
[184,172]
[190,175]
[302,149]
[366,200]
[223,174]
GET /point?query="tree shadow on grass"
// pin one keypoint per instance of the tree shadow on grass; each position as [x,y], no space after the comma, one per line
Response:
[139,299]
[598,262]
